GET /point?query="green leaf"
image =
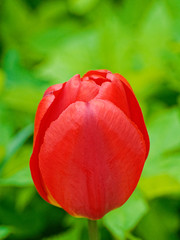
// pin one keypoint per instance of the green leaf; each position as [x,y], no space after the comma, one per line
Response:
[164,129]
[160,185]
[4,232]
[2,78]
[19,179]
[16,143]
[24,198]
[161,172]
[71,57]
[74,232]
[125,218]
[161,222]
[23,99]
[13,170]
[81,7]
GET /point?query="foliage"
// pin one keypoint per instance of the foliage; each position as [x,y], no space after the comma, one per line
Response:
[47,42]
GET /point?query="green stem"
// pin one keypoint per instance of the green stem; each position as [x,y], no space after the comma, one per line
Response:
[93,230]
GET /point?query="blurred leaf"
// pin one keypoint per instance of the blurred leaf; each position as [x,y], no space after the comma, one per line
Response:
[4,232]
[2,78]
[131,237]
[81,7]
[6,128]
[19,179]
[159,185]
[125,218]
[49,40]
[18,175]
[16,73]
[17,22]
[164,131]
[16,143]
[161,222]
[50,11]
[21,158]
[161,172]
[71,234]
[74,233]
[72,57]
[23,99]
[2,153]
[174,7]
[24,198]
[33,222]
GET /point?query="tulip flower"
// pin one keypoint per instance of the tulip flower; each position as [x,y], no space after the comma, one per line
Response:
[90,144]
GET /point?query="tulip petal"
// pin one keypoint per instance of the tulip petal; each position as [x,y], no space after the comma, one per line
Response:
[98,76]
[119,76]
[135,112]
[102,73]
[87,91]
[49,110]
[44,105]
[52,89]
[115,94]
[91,158]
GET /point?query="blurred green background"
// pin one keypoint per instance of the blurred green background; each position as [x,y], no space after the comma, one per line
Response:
[44,42]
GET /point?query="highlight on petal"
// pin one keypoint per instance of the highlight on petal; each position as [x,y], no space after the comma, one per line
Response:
[91,158]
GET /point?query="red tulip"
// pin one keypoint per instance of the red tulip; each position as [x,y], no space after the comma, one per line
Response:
[90,144]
